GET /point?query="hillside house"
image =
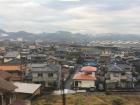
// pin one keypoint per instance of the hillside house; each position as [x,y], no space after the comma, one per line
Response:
[119,77]
[16,70]
[45,74]
[105,58]
[7,95]
[26,90]
[9,77]
[55,60]
[37,58]
[11,56]
[85,79]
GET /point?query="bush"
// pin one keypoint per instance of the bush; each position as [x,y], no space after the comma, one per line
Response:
[117,101]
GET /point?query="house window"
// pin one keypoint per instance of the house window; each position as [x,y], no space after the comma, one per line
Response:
[40,75]
[50,74]
[76,83]
[116,75]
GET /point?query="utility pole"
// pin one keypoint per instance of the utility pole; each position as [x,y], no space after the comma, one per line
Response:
[21,68]
[61,85]
[63,88]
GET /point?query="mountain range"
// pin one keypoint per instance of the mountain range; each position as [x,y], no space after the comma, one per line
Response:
[65,36]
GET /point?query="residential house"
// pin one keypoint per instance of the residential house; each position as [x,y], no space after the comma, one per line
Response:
[9,77]
[119,76]
[37,58]
[128,54]
[24,56]
[26,90]
[61,52]
[105,58]
[55,60]
[7,95]
[45,74]
[91,54]
[85,79]
[15,70]
[2,50]
[11,56]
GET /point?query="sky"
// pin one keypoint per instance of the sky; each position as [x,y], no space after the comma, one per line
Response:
[84,16]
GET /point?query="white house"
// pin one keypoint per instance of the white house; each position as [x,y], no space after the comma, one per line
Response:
[85,79]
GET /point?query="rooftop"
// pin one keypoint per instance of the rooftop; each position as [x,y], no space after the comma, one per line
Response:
[90,63]
[44,67]
[5,75]
[6,85]
[56,58]
[12,54]
[10,67]
[119,67]
[88,69]
[28,88]
[80,76]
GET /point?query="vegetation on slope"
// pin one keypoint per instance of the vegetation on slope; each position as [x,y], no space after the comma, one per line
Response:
[84,99]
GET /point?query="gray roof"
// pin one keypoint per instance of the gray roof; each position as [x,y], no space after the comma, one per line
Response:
[44,68]
[37,55]
[12,54]
[115,68]
[37,65]
[119,67]
[56,58]
[6,85]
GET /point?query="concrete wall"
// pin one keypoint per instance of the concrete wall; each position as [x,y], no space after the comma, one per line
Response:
[115,76]
[86,84]
[45,78]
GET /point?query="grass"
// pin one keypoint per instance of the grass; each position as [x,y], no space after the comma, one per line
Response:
[87,99]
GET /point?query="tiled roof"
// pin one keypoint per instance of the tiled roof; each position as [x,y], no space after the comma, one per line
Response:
[44,67]
[80,76]
[5,75]
[10,67]
[89,69]
[7,86]
[28,88]
[90,63]
[12,54]
[16,78]
[56,58]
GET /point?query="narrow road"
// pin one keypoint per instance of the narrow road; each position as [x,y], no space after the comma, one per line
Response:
[68,83]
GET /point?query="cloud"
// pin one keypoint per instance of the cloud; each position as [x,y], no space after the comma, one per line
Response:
[87,16]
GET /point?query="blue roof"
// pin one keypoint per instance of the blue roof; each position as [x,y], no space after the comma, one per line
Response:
[90,63]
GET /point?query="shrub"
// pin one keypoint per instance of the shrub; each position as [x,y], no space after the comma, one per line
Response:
[117,101]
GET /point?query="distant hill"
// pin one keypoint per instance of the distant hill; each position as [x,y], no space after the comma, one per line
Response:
[52,37]
[114,36]
[65,36]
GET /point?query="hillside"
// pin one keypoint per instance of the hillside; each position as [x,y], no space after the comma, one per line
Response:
[65,36]
[83,99]
[59,36]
